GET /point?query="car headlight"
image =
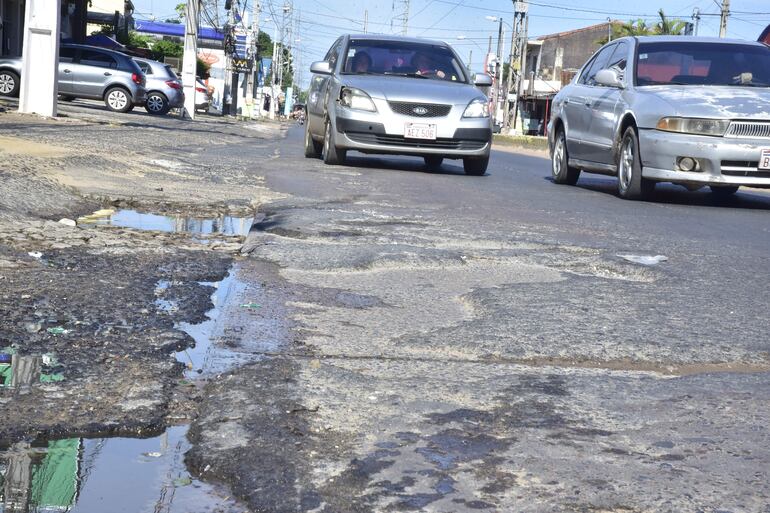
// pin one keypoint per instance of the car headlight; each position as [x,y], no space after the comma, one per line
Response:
[696,126]
[478,108]
[353,98]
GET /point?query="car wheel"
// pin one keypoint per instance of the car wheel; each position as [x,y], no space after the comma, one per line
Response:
[433,162]
[560,168]
[476,166]
[9,83]
[117,99]
[723,191]
[331,154]
[157,104]
[631,184]
[313,148]
[66,98]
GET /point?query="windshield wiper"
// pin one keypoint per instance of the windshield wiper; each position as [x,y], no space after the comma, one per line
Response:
[410,75]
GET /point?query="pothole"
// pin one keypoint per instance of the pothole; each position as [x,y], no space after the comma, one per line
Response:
[134,219]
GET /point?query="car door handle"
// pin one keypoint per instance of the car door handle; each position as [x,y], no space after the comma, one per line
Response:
[67,71]
[107,74]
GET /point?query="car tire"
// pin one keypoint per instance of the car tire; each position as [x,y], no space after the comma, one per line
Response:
[433,162]
[66,98]
[631,184]
[331,154]
[560,169]
[721,192]
[313,148]
[118,99]
[157,104]
[10,83]
[476,166]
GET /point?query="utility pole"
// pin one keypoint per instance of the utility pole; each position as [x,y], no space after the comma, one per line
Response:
[190,58]
[401,15]
[40,57]
[518,55]
[366,20]
[253,53]
[229,93]
[499,102]
[609,29]
[723,18]
[696,18]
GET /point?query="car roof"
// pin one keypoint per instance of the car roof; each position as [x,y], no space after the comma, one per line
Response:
[694,39]
[98,48]
[384,37]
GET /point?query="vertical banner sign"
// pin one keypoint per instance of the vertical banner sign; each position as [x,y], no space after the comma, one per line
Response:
[40,58]
[189,61]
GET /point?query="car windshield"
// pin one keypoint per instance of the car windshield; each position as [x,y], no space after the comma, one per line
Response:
[711,64]
[416,60]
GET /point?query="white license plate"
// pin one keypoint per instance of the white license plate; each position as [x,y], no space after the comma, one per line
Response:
[764,159]
[420,131]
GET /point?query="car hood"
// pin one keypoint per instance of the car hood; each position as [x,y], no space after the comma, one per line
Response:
[719,102]
[396,88]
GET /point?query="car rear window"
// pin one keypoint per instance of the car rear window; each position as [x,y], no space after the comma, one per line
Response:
[688,63]
[170,71]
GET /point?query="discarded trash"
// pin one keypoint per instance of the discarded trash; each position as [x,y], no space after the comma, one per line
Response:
[35,254]
[644,259]
[152,454]
[50,359]
[251,305]
[33,327]
[58,330]
[5,358]
[182,481]
[68,222]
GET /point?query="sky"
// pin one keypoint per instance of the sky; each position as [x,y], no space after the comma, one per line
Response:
[464,23]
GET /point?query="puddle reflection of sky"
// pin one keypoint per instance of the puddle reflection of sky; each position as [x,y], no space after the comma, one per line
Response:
[223,225]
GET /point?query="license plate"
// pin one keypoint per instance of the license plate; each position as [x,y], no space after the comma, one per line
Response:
[420,131]
[764,159]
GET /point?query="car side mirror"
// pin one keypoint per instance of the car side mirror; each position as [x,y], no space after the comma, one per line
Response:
[321,68]
[609,78]
[482,80]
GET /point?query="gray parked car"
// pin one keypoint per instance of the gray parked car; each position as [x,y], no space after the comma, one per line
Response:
[164,89]
[687,110]
[87,72]
[395,95]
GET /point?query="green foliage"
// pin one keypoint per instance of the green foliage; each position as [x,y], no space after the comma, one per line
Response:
[202,69]
[265,43]
[665,27]
[163,48]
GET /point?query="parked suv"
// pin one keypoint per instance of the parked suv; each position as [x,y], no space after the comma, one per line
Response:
[87,72]
[164,89]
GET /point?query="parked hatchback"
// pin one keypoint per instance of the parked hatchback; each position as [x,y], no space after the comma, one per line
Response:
[87,72]
[397,95]
[164,89]
[687,110]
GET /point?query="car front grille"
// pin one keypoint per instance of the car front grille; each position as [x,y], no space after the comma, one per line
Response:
[420,110]
[748,130]
[744,168]
[400,140]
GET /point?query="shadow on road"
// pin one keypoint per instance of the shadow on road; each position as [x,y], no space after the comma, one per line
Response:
[670,194]
[412,164]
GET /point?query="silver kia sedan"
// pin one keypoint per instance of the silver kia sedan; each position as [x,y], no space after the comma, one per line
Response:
[687,110]
[395,95]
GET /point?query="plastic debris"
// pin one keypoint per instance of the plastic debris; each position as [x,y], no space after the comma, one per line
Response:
[645,259]
[57,330]
[35,254]
[253,306]
[182,481]
[68,222]
[153,454]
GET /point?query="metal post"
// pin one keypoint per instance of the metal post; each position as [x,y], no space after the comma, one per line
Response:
[254,52]
[723,18]
[190,59]
[499,70]
[509,81]
[609,29]
[366,20]
[40,56]
[696,17]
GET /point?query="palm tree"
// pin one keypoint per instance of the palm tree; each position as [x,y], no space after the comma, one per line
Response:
[669,27]
[665,26]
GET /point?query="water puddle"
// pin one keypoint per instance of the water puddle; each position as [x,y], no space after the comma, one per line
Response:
[127,218]
[130,475]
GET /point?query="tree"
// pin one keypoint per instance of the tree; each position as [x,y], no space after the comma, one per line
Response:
[669,27]
[666,27]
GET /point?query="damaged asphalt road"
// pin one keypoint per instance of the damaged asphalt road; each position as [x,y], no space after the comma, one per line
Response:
[389,339]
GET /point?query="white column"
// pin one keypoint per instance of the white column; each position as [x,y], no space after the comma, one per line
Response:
[40,58]
[189,61]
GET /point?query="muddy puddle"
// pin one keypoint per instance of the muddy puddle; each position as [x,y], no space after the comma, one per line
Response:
[130,475]
[127,218]
[119,474]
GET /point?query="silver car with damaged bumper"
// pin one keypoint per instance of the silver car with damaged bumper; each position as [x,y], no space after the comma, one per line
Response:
[395,95]
[687,110]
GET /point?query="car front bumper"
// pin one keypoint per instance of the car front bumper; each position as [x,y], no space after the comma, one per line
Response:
[721,160]
[373,132]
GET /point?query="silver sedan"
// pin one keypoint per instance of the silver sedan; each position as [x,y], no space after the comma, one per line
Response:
[687,110]
[403,96]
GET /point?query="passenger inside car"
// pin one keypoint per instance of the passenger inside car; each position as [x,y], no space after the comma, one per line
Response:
[361,62]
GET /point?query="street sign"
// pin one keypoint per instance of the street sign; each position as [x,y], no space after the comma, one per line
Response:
[520,7]
[243,65]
